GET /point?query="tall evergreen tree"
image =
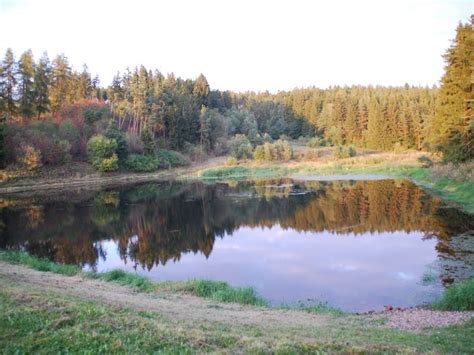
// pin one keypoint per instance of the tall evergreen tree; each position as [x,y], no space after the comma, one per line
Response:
[60,88]
[26,75]
[8,83]
[453,120]
[41,85]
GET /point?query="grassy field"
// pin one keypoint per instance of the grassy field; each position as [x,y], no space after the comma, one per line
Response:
[53,320]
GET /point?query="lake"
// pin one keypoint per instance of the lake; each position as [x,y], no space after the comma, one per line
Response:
[357,245]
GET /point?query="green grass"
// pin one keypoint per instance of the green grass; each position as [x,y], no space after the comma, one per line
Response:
[242,172]
[40,322]
[461,192]
[458,297]
[125,278]
[39,264]
[43,324]
[216,290]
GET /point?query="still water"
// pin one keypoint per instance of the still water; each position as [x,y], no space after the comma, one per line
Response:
[358,245]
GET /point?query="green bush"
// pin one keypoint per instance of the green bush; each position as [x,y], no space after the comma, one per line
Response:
[170,158]
[240,147]
[113,132]
[342,152]
[65,151]
[142,163]
[101,152]
[279,151]
[107,164]
[458,297]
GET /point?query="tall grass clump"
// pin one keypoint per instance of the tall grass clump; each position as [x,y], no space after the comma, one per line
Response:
[125,278]
[220,291]
[18,257]
[458,297]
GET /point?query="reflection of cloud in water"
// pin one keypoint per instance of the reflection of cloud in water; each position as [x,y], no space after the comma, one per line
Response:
[354,272]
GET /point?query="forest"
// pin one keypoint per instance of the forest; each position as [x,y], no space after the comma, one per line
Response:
[52,115]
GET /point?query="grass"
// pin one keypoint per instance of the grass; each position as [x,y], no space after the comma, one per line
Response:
[34,321]
[39,264]
[45,323]
[124,278]
[48,325]
[458,297]
[461,192]
[215,290]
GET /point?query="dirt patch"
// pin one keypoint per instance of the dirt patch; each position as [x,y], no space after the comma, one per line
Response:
[415,319]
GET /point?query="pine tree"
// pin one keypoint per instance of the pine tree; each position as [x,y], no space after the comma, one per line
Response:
[26,75]
[41,85]
[8,83]
[60,88]
[454,106]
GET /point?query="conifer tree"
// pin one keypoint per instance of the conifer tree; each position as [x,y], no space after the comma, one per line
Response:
[26,74]
[8,83]
[41,85]
[453,120]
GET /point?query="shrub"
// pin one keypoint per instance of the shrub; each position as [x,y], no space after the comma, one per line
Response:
[279,151]
[240,147]
[106,164]
[170,158]
[113,132]
[259,153]
[231,161]
[101,152]
[142,163]
[64,151]
[69,132]
[30,157]
[425,161]
[342,152]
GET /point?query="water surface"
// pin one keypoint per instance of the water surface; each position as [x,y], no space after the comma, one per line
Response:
[358,245]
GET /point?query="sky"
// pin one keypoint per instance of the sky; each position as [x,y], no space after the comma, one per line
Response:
[244,45]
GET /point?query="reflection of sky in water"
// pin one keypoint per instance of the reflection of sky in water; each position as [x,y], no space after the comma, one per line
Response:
[352,272]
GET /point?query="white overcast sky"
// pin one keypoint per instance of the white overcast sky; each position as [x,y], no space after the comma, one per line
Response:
[244,45]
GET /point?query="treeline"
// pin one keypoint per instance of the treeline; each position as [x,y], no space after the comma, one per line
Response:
[154,112]
[30,89]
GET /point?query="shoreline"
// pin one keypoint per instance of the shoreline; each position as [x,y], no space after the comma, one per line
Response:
[459,194]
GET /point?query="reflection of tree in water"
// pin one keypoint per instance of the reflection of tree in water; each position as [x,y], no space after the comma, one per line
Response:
[155,223]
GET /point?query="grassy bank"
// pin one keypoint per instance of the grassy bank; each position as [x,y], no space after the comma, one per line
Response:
[35,321]
[215,290]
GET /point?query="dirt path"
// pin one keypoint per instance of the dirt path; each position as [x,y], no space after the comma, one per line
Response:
[195,309]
